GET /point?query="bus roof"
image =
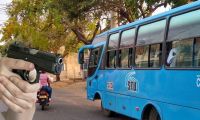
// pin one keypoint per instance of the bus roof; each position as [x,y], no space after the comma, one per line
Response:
[155,17]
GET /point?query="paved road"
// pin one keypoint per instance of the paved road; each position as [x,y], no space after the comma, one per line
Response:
[69,103]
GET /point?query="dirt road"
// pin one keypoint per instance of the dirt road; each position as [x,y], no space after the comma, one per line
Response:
[69,103]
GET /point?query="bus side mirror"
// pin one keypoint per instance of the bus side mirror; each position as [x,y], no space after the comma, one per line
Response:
[81,57]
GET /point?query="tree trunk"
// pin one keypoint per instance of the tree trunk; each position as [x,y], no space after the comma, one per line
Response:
[113,19]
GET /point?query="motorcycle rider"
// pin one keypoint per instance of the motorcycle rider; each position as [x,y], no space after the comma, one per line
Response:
[44,81]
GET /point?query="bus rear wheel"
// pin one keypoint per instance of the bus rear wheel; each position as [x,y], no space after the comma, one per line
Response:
[106,112]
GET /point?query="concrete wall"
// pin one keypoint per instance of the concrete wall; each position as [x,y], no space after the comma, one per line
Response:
[72,69]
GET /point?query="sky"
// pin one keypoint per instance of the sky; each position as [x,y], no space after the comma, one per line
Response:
[162,9]
[4,16]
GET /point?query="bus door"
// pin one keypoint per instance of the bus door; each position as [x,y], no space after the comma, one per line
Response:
[92,68]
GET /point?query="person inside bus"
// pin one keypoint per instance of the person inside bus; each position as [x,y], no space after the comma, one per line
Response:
[17,97]
[171,60]
[45,81]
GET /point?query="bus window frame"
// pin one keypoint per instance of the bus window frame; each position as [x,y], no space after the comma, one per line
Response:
[149,50]
[103,59]
[130,60]
[99,55]
[100,52]
[189,68]
[132,47]
[108,50]
[165,41]
[162,43]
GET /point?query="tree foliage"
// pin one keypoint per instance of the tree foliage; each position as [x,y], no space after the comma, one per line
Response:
[50,24]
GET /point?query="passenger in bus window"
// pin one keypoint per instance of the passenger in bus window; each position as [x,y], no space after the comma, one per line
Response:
[197,53]
[171,60]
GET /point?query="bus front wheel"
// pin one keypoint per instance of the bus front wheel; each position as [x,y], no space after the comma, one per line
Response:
[106,112]
[151,114]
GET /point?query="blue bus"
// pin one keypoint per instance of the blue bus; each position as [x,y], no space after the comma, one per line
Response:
[148,69]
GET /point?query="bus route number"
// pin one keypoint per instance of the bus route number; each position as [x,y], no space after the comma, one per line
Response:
[132,85]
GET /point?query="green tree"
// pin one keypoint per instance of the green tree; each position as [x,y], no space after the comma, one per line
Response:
[81,12]
[49,24]
[38,23]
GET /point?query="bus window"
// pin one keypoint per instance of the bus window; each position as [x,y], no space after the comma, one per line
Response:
[113,41]
[111,55]
[184,26]
[151,33]
[180,53]
[148,56]
[125,58]
[197,53]
[126,44]
[127,38]
[99,39]
[111,50]
[141,56]
[182,42]
[148,46]
[94,60]
[155,55]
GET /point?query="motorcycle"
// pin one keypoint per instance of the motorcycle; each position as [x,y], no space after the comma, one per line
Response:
[43,98]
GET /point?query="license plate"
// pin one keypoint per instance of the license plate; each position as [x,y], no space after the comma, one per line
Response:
[43,97]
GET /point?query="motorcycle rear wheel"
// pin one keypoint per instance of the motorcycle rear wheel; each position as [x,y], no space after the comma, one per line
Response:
[42,107]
